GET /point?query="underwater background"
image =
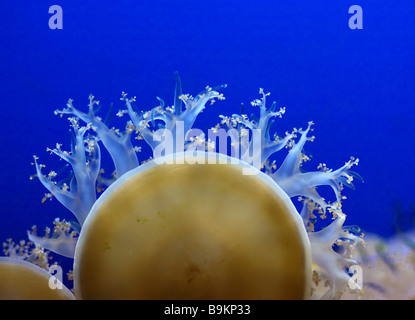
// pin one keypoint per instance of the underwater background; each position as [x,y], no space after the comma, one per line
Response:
[357,85]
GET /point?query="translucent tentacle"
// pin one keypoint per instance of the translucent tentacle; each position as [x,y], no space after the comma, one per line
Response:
[174,120]
[85,162]
[118,144]
[253,136]
[334,264]
[62,241]
[297,183]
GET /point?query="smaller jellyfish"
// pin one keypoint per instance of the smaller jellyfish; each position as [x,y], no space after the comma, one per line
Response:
[22,280]
[25,274]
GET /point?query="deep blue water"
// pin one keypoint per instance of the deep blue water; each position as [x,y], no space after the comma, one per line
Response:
[358,86]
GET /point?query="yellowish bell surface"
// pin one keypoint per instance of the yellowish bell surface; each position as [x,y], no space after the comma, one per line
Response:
[22,280]
[193,231]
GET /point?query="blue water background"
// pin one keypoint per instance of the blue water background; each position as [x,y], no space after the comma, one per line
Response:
[358,86]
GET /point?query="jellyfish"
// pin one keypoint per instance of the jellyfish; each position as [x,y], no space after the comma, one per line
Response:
[23,280]
[193,222]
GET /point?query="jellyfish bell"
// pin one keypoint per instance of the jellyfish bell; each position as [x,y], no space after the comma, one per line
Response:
[200,229]
[22,280]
